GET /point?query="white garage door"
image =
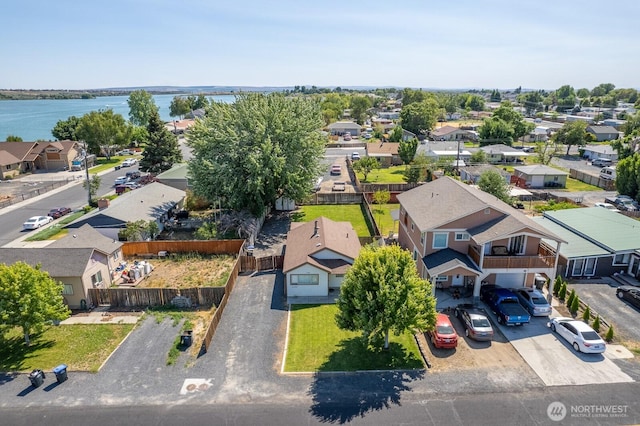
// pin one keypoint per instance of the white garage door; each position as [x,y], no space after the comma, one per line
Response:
[537,181]
[510,280]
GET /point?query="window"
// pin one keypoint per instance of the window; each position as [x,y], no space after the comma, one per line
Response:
[412,226]
[577,267]
[621,259]
[96,279]
[440,240]
[305,279]
[462,236]
[415,254]
[422,238]
[67,289]
[590,266]
[517,244]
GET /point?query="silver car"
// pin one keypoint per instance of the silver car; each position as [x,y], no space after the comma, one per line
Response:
[533,301]
[476,324]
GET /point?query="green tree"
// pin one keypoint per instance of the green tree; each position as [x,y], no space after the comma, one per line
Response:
[556,285]
[419,117]
[179,106]
[366,165]
[13,138]
[92,185]
[565,98]
[104,132]
[563,291]
[573,133]
[411,96]
[199,102]
[359,106]
[333,106]
[474,103]
[545,151]
[532,102]
[66,129]
[575,304]
[517,122]
[29,298]
[495,96]
[381,293]
[142,107]
[586,315]
[260,148]
[582,93]
[494,183]
[609,336]
[478,157]
[628,176]
[140,231]
[407,150]
[495,130]
[596,324]
[572,295]
[161,150]
[396,134]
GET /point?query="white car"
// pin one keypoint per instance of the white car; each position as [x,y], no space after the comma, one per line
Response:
[582,337]
[607,206]
[129,162]
[121,180]
[36,222]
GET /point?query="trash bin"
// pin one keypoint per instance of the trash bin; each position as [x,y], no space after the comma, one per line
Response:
[61,373]
[36,377]
[186,339]
[118,167]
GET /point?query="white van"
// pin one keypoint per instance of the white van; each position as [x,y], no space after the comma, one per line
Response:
[602,162]
[608,173]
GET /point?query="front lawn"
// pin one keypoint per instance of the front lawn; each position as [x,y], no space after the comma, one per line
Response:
[81,346]
[317,344]
[338,213]
[394,174]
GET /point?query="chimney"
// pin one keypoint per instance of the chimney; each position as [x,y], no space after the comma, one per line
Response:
[315,229]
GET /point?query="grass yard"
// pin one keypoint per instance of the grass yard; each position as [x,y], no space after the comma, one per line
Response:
[382,216]
[339,213]
[575,185]
[394,174]
[81,346]
[317,344]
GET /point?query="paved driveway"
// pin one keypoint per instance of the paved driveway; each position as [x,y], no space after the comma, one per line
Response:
[553,359]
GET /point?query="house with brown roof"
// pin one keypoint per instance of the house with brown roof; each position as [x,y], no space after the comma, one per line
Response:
[22,157]
[461,236]
[451,133]
[385,152]
[318,255]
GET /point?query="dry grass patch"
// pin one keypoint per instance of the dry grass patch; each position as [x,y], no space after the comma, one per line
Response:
[185,271]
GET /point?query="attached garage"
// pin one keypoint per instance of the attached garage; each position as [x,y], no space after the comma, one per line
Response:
[511,280]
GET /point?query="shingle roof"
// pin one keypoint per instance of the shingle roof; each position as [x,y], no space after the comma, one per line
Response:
[344,124]
[610,230]
[445,260]
[445,200]
[501,148]
[388,148]
[18,149]
[70,262]
[87,237]
[6,158]
[444,130]
[303,241]
[539,170]
[602,129]
[600,149]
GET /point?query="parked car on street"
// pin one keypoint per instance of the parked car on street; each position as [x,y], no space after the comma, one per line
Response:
[443,334]
[475,321]
[121,180]
[630,294]
[336,169]
[601,162]
[355,156]
[129,162]
[347,136]
[533,301]
[607,206]
[582,337]
[58,212]
[506,306]
[623,202]
[133,174]
[36,222]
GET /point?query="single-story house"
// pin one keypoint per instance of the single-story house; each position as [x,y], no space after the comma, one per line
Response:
[179,127]
[383,123]
[501,153]
[81,260]
[603,133]
[613,122]
[339,128]
[153,202]
[472,174]
[390,115]
[600,242]
[444,150]
[21,157]
[175,177]
[10,165]
[317,256]
[451,133]
[591,152]
[385,152]
[539,176]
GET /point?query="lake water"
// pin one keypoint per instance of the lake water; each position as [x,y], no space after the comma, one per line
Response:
[34,119]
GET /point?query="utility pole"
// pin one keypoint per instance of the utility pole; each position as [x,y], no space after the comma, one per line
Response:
[458,159]
[86,171]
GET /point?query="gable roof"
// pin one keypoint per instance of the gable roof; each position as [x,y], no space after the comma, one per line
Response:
[70,262]
[6,158]
[344,125]
[382,148]
[304,240]
[602,129]
[18,149]
[600,149]
[540,170]
[503,149]
[445,200]
[87,237]
[447,259]
[479,169]
[444,130]
[610,230]
[147,203]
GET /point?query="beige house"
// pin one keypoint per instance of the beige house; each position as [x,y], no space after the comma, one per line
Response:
[539,176]
[462,236]
[22,157]
[451,133]
[318,254]
[385,152]
[341,127]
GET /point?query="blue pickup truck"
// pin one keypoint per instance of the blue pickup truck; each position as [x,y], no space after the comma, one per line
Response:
[506,306]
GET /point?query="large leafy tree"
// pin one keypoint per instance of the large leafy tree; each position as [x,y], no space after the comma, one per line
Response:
[179,106]
[532,102]
[161,150]
[494,183]
[365,166]
[260,148]
[410,96]
[333,106]
[628,176]
[420,117]
[359,106]
[29,298]
[104,132]
[141,107]
[495,130]
[473,102]
[66,129]
[407,150]
[382,293]
[565,98]
[506,112]
[573,133]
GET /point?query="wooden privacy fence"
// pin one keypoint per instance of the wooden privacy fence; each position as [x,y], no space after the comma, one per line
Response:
[606,184]
[138,248]
[266,263]
[151,297]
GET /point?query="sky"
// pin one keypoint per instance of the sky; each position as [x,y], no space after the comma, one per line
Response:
[444,44]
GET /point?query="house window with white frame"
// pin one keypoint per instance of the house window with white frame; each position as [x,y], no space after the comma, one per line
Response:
[621,259]
[518,244]
[422,238]
[305,279]
[462,236]
[440,240]
[96,279]
[67,289]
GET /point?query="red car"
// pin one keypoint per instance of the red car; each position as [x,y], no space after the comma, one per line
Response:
[59,212]
[444,335]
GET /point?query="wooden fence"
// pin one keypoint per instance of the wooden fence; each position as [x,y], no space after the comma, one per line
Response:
[152,297]
[141,248]
[606,184]
[265,263]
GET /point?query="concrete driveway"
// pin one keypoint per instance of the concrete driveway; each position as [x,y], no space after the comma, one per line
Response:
[553,359]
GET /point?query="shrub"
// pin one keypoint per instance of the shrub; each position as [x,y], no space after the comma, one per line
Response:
[609,336]
[586,316]
[575,304]
[557,285]
[563,291]
[572,296]
[596,323]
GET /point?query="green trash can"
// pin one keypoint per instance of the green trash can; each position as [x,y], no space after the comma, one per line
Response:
[61,373]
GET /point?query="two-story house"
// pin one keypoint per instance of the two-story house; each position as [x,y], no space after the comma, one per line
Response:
[462,236]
